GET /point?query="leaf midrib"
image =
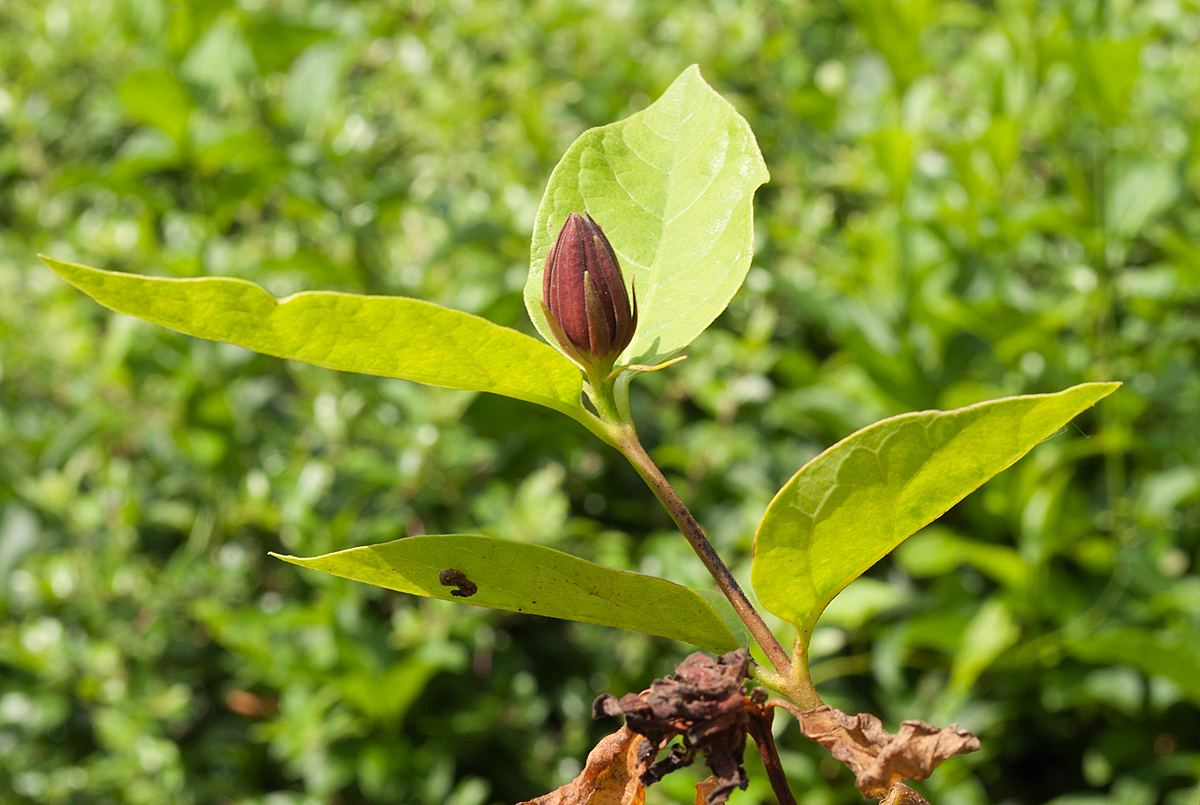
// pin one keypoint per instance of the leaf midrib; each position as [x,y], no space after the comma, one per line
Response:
[662,229]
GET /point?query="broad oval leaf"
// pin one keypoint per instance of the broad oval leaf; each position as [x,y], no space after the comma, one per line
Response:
[534,579]
[851,505]
[389,336]
[673,189]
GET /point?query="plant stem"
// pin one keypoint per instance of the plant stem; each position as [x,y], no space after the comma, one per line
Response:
[627,442]
[759,727]
[801,688]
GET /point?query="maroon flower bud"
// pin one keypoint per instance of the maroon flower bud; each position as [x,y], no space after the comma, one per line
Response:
[584,294]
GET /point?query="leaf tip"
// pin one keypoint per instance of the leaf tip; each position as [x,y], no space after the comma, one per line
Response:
[73,273]
[54,265]
[1100,389]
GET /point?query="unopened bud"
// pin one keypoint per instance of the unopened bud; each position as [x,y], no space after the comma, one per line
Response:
[584,294]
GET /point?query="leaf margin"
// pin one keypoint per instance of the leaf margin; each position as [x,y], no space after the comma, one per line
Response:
[566,380]
[720,639]
[544,231]
[804,625]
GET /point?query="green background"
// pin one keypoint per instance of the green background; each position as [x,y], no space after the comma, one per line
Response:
[967,200]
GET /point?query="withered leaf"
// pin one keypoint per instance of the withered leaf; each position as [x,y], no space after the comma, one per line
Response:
[878,759]
[903,795]
[704,788]
[612,775]
[703,705]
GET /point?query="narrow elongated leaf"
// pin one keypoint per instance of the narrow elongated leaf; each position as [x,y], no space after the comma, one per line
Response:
[521,577]
[390,336]
[673,188]
[851,505]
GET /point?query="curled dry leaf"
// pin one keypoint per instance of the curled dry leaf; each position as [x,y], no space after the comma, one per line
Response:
[704,705]
[878,759]
[612,775]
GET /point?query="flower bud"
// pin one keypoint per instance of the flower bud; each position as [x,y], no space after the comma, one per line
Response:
[584,294]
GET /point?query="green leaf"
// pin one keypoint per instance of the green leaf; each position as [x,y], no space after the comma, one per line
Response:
[389,336]
[936,551]
[160,99]
[851,505]
[1166,653]
[520,577]
[673,189]
[1138,191]
[990,633]
[1107,70]
[720,604]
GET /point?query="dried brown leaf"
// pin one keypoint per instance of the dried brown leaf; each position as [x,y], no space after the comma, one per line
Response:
[703,705]
[878,759]
[704,788]
[903,795]
[612,775]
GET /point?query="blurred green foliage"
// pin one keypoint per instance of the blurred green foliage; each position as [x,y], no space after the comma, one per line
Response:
[968,199]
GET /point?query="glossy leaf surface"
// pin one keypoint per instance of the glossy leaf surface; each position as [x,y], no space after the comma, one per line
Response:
[533,579]
[389,336]
[673,188]
[851,505]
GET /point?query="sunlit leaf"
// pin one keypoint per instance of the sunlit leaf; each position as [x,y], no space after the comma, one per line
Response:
[389,336]
[673,188]
[521,577]
[851,505]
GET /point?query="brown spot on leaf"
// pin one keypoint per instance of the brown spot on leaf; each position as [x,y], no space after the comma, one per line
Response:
[702,704]
[878,759]
[456,578]
[612,775]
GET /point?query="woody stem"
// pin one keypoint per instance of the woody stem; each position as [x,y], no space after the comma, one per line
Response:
[627,442]
[759,727]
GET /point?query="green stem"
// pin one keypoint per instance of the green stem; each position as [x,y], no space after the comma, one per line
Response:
[801,690]
[627,442]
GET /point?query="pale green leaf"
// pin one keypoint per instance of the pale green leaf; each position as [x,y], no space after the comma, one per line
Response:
[851,505]
[521,577]
[720,604]
[673,188]
[389,336]
[990,633]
